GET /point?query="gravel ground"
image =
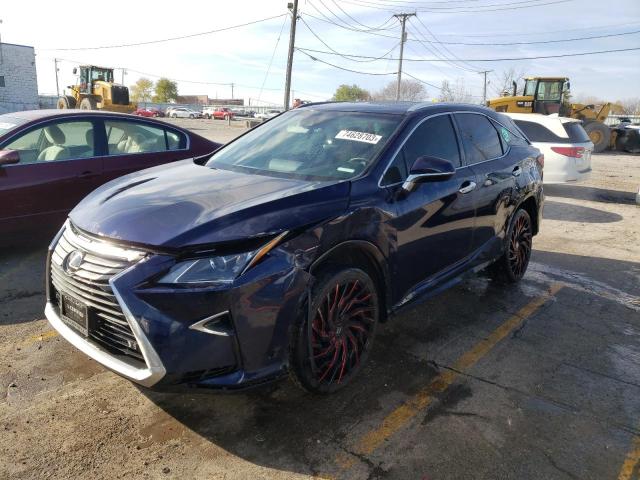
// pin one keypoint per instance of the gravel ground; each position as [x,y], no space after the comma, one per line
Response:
[539,380]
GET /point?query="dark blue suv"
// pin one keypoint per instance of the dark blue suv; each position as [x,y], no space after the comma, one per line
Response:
[284,251]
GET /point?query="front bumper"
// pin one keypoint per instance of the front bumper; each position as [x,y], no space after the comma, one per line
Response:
[250,347]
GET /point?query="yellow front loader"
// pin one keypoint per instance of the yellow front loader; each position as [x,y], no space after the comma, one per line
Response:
[96,90]
[549,95]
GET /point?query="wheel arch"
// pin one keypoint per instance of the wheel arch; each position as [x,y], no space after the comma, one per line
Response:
[362,254]
[530,204]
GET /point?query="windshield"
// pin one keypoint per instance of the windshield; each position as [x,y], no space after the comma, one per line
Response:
[103,74]
[8,123]
[310,145]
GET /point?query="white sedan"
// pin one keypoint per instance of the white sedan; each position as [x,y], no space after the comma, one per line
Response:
[183,112]
[564,143]
[268,114]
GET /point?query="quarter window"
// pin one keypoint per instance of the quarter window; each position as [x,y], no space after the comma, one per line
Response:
[479,138]
[55,142]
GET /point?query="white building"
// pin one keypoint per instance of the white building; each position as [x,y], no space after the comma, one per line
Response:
[18,81]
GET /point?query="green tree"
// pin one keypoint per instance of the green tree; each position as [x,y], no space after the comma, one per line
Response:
[166,91]
[141,91]
[350,93]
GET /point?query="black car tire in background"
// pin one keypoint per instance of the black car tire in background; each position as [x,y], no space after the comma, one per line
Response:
[512,265]
[332,339]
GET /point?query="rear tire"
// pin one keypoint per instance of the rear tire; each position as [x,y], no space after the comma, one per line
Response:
[66,102]
[87,103]
[330,348]
[599,134]
[512,265]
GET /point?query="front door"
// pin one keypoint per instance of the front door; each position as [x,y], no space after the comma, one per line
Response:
[57,169]
[434,223]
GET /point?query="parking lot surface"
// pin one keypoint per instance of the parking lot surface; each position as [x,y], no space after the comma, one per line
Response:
[539,380]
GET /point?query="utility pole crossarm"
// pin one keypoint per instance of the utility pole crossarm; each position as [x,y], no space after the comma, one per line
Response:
[403,38]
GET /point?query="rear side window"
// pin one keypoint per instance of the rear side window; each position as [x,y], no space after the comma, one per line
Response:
[434,138]
[539,133]
[126,137]
[576,132]
[479,138]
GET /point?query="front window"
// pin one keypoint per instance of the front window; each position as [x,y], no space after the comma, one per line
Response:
[55,142]
[310,144]
[550,91]
[530,88]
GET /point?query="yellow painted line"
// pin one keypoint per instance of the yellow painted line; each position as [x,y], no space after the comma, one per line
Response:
[41,337]
[398,418]
[632,460]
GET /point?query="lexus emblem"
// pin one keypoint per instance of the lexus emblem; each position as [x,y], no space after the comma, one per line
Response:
[73,261]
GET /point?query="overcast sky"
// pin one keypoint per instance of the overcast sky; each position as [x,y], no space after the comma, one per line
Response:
[242,55]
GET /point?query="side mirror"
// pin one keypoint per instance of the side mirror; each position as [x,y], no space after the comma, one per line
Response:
[428,169]
[9,157]
[75,70]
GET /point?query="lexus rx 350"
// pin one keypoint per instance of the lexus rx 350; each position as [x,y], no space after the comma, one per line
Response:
[285,250]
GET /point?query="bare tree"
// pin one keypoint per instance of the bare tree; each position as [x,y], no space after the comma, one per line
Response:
[410,90]
[506,79]
[630,106]
[457,92]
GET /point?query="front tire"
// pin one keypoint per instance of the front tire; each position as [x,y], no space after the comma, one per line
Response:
[599,134]
[87,103]
[512,265]
[330,345]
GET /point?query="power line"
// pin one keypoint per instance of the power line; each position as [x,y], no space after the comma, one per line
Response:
[433,49]
[315,59]
[349,27]
[164,39]
[338,53]
[472,67]
[543,41]
[358,22]
[266,75]
[480,9]
[483,59]
[195,82]
[545,32]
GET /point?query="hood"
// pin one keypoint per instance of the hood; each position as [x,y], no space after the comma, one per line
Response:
[183,204]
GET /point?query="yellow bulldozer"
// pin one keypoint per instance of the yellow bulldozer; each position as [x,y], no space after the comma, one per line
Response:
[549,95]
[96,90]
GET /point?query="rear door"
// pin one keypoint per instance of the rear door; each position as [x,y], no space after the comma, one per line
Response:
[496,171]
[434,223]
[134,145]
[58,167]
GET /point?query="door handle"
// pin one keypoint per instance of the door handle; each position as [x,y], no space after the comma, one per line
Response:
[468,187]
[516,172]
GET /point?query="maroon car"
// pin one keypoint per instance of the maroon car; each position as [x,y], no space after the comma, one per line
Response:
[148,112]
[51,159]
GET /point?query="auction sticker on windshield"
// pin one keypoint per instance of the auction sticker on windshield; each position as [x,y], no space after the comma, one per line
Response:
[358,136]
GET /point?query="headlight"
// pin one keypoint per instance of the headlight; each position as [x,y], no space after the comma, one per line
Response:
[221,269]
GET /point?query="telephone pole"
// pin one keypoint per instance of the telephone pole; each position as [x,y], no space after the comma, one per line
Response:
[124,72]
[484,91]
[232,91]
[292,40]
[403,38]
[55,64]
